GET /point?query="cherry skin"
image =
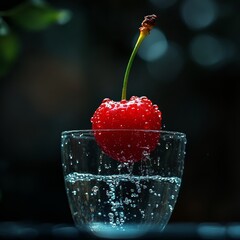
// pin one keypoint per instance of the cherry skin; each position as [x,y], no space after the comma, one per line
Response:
[127,145]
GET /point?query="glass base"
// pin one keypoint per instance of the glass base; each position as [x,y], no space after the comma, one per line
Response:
[126,231]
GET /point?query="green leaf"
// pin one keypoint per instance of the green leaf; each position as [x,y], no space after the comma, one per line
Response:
[9,50]
[38,15]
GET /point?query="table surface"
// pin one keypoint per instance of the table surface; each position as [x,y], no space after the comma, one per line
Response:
[37,231]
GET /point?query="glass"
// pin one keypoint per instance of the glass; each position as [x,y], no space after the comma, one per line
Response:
[120,198]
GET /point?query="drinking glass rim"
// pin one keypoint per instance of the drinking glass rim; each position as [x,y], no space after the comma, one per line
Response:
[175,133]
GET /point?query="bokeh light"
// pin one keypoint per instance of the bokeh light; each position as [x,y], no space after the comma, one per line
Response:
[198,14]
[154,46]
[208,50]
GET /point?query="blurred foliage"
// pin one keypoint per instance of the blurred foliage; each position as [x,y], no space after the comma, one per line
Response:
[31,15]
[9,50]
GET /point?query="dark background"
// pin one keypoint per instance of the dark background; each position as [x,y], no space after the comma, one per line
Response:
[63,73]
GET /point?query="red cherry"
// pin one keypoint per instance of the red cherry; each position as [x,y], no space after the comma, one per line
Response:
[137,113]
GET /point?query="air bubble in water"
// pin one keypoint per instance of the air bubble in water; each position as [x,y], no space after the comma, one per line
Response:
[113,209]
[74,193]
[127,205]
[100,163]
[121,214]
[134,195]
[119,167]
[107,166]
[95,190]
[127,201]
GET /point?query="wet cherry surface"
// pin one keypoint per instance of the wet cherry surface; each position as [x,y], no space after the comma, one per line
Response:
[137,113]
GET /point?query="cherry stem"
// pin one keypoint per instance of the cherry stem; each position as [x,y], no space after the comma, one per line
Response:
[129,66]
[146,26]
